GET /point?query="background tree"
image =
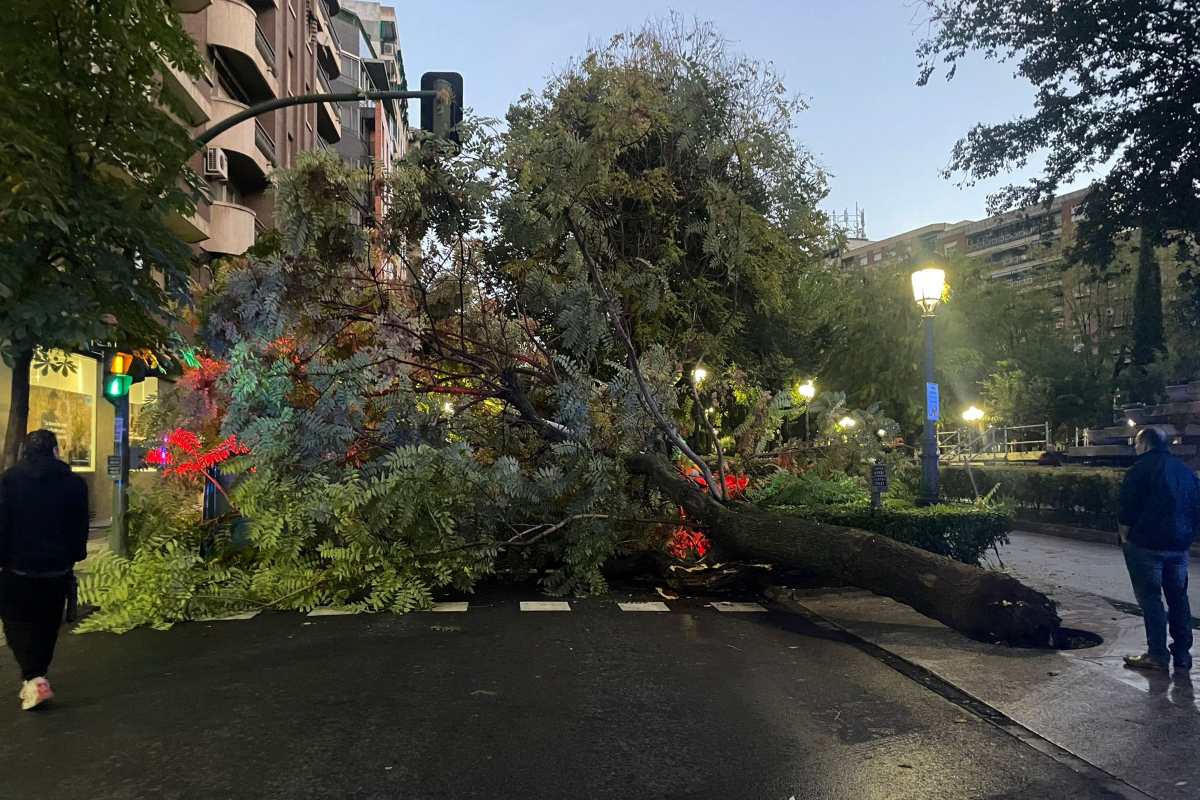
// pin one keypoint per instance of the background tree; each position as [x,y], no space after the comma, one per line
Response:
[1117,86]
[92,165]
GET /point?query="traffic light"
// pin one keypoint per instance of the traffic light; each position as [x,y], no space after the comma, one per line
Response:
[117,379]
[442,115]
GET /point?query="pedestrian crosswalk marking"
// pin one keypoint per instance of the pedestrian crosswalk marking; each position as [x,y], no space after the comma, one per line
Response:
[450,607]
[230,617]
[737,608]
[544,605]
[331,612]
[652,606]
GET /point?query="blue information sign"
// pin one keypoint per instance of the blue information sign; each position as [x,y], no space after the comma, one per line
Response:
[932,402]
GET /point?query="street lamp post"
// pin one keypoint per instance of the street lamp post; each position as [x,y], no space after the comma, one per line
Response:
[973,415]
[928,286]
[808,391]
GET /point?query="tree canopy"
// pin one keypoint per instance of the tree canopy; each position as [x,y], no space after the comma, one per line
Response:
[1117,87]
[92,167]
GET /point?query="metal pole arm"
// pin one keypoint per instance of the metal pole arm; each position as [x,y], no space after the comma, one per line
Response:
[304,99]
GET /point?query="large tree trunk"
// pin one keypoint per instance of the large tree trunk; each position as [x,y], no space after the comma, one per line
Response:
[18,408]
[986,605]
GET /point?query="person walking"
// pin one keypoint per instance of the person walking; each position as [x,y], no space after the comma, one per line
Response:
[43,532]
[1159,512]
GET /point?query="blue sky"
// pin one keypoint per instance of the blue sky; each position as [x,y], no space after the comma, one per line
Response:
[881,137]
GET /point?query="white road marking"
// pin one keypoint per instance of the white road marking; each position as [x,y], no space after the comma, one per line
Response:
[230,617]
[652,606]
[544,605]
[738,608]
[450,607]
[332,612]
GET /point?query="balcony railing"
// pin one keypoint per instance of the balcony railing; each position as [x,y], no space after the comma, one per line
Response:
[264,141]
[264,46]
[1004,236]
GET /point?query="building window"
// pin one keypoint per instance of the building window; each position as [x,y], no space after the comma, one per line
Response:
[66,405]
[878,257]
[139,395]
[862,262]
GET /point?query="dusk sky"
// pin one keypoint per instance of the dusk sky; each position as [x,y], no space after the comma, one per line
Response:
[882,139]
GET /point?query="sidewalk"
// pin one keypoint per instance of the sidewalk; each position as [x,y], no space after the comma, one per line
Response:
[1082,566]
[1139,728]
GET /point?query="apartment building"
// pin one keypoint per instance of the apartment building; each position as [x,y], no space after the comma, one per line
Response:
[375,132]
[1025,248]
[256,50]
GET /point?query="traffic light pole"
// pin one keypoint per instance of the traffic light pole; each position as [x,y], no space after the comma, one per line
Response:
[118,535]
[441,94]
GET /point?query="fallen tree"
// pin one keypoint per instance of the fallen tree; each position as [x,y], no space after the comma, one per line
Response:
[983,604]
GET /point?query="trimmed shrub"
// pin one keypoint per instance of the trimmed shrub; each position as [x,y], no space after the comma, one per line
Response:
[963,533]
[1088,497]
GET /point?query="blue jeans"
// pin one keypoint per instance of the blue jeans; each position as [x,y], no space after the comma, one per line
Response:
[1156,574]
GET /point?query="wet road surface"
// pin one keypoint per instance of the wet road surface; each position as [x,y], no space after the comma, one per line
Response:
[495,702]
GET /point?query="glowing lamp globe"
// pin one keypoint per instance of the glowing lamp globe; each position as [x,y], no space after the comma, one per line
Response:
[928,286]
[846,422]
[973,414]
[807,390]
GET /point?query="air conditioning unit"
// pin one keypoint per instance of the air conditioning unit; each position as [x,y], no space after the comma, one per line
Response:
[389,49]
[216,164]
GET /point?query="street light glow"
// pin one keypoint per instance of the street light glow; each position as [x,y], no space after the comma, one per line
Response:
[698,375]
[807,390]
[882,433]
[973,414]
[846,422]
[1131,423]
[928,286]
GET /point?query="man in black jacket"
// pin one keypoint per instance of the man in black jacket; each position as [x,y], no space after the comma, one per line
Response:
[1160,504]
[43,532]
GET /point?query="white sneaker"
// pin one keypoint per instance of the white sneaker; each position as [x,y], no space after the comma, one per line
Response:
[35,692]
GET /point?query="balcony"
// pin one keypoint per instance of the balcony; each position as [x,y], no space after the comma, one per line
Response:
[233,30]
[193,228]
[184,89]
[250,149]
[231,229]
[329,121]
[329,48]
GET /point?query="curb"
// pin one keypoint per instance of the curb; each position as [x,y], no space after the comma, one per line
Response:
[786,598]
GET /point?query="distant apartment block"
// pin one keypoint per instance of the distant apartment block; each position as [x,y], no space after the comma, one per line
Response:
[1025,248]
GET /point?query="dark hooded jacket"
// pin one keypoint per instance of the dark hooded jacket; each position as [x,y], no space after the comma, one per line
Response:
[43,517]
[1160,502]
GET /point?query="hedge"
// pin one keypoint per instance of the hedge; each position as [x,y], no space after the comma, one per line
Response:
[1087,497]
[963,533]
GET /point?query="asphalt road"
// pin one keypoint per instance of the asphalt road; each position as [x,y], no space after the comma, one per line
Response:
[498,703]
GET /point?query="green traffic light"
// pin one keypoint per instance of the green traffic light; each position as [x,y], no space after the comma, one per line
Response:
[117,386]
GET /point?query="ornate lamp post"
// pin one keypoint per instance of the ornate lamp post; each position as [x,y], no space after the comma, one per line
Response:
[928,286]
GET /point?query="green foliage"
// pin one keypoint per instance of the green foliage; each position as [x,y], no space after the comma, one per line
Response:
[673,163]
[1148,337]
[167,580]
[1087,497]
[92,166]
[961,532]
[1085,112]
[809,489]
